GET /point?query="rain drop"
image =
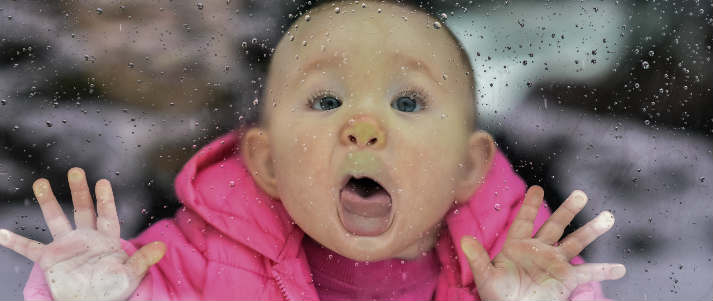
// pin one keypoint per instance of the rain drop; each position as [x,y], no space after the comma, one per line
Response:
[647,122]
[651,53]
[48,123]
[231,183]
[144,211]
[99,11]
[437,25]
[199,5]
[308,17]
[497,206]
[645,65]
[336,10]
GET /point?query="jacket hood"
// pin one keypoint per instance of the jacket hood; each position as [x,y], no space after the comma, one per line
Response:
[216,185]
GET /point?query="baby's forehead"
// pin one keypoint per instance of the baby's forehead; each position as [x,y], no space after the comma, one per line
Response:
[395,36]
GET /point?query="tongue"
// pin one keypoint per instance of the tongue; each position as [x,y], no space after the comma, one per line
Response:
[367,216]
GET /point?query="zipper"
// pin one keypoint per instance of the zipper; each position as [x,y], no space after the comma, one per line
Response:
[281,285]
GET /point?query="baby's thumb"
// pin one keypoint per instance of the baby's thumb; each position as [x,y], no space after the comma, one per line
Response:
[478,258]
[145,257]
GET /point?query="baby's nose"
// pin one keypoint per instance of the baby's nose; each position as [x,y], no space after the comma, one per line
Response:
[363,131]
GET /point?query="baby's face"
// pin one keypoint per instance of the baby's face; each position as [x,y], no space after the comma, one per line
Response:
[368,137]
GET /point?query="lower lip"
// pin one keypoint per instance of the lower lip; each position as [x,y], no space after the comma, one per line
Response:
[363,225]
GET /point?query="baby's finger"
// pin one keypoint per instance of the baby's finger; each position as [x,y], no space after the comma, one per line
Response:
[84,216]
[478,258]
[144,258]
[590,272]
[108,220]
[54,217]
[23,246]
[522,225]
[574,243]
[553,228]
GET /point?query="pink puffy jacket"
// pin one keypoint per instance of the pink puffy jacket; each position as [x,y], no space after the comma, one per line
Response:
[232,241]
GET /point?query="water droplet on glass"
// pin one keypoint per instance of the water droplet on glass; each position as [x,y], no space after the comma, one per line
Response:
[231,183]
[651,53]
[497,206]
[363,5]
[48,123]
[645,65]
[444,16]
[437,25]
[304,43]
[445,76]
[336,10]
[99,11]
[378,10]
[308,17]
[131,65]
[144,211]
[199,5]
[647,122]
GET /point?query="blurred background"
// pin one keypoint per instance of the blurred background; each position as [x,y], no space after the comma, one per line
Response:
[610,97]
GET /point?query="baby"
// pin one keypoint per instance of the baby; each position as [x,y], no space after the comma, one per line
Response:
[367,144]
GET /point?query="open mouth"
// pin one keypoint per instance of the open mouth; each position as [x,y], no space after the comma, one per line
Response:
[365,207]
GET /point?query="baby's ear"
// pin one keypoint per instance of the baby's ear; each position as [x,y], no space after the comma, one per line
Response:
[481,150]
[255,150]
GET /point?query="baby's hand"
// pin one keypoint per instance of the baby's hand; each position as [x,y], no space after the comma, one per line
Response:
[87,262]
[535,268]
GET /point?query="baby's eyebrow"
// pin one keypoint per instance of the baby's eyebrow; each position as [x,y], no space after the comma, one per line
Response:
[415,64]
[403,60]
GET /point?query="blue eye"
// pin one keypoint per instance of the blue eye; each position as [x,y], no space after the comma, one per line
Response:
[326,103]
[406,104]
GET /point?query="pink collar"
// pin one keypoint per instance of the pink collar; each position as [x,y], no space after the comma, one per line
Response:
[216,185]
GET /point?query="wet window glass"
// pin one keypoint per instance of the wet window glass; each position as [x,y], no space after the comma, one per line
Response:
[367,113]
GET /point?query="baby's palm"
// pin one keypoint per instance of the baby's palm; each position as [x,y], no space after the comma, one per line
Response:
[534,268]
[88,262]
